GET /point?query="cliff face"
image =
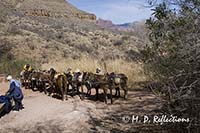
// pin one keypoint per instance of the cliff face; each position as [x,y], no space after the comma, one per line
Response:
[50,8]
[105,23]
[47,13]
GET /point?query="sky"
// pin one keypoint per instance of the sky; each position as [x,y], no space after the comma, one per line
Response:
[118,11]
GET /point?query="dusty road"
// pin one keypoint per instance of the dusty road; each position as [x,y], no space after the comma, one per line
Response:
[45,114]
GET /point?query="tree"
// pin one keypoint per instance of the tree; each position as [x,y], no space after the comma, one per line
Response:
[173,56]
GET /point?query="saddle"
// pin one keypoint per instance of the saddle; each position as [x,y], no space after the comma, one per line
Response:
[58,74]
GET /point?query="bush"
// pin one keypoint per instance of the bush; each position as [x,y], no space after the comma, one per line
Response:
[13,29]
[118,43]
[84,48]
[5,47]
[31,46]
[13,67]
[3,13]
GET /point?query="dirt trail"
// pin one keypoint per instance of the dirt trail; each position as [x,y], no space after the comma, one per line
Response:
[46,114]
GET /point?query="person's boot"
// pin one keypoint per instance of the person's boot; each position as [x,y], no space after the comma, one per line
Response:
[21,106]
[16,107]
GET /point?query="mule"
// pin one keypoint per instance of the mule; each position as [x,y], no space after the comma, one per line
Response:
[91,80]
[60,84]
[25,78]
[77,84]
[119,82]
[41,81]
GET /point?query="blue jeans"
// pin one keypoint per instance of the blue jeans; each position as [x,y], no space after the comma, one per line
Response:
[18,105]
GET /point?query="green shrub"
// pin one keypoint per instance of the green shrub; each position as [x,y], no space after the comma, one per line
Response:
[13,67]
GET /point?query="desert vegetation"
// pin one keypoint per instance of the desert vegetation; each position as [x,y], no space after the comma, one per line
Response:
[43,40]
[172,57]
[134,71]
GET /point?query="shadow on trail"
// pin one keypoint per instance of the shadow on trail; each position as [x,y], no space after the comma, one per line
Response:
[140,102]
[100,98]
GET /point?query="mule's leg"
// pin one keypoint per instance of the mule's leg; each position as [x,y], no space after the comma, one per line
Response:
[62,88]
[66,88]
[64,96]
[51,90]
[119,88]
[115,91]
[78,86]
[26,84]
[33,84]
[111,95]
[69,86]
[88,92]
[82,95]
[125,92]
[105,95]
[97,93]
[44,88]
[73,90]
[30,84]
[41,86]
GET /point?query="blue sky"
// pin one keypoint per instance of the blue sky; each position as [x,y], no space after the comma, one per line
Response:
[119,11]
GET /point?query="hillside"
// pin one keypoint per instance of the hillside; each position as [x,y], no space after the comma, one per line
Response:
[137,29]
[49,32]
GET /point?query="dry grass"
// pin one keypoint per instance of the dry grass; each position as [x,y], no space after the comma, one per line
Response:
[133,70]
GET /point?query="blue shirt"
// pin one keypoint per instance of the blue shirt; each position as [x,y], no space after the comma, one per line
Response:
[15,90]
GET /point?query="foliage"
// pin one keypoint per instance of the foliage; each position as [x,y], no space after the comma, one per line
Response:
[174,40]
[173,56]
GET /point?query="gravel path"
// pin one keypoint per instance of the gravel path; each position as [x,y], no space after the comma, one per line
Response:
[49,115]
